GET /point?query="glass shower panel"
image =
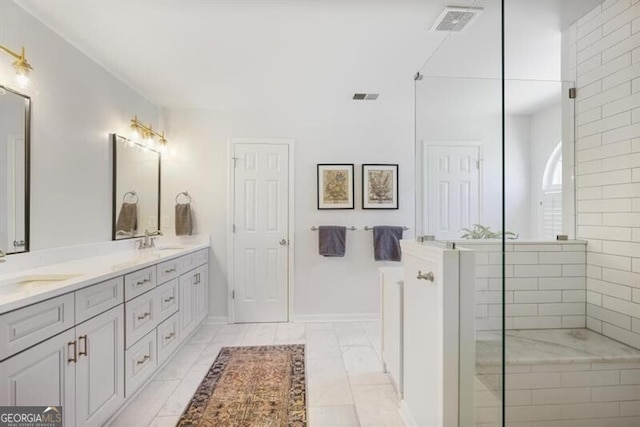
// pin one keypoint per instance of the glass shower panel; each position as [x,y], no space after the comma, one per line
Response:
[458,146]
[458,151]
[539,160]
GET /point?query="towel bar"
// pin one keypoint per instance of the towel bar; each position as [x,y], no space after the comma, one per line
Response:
[369,228]
[352,228]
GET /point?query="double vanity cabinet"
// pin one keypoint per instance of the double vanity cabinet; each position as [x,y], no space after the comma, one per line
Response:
[90,350]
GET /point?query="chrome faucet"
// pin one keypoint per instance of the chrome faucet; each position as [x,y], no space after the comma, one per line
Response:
[149,239]
[2,256]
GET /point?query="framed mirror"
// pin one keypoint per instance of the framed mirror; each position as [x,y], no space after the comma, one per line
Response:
[136,188]
[15,125]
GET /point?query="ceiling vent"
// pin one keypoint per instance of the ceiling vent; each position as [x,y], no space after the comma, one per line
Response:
[365,96]
[455,18]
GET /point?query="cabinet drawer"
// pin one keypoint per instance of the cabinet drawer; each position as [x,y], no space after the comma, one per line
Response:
[141,316]
[201,257]
[140,363]
[186,263]
[167,296]
[30,325]
[139,282]
[98,298]
[168,337]
[167,270]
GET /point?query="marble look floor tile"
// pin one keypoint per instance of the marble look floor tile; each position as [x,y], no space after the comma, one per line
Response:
[363,365]
[333,416]
[233,328]
[290,332]
[332,373]
[327,383]
[377,405]
[178,400]
[260,334]
[204,334]
[319,326]
[143,408]
[321,344]
[181,362]
[350,333]
[164,421]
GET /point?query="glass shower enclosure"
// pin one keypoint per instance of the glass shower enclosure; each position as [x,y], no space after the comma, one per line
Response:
[497,116]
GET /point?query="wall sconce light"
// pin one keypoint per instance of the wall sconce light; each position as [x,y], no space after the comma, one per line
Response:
[150,137]
[21,66]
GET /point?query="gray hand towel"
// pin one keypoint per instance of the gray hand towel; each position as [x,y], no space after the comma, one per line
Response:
[386,243]
[184,226]
[332,240]
[127,218]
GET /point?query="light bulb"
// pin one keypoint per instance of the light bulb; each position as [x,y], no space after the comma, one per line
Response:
[135,135]
[22,79]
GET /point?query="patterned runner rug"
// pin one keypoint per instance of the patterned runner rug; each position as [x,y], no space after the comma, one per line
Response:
[251,387]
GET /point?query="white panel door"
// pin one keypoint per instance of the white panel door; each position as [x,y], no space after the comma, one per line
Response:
[453,190]
[100,367]
[261,222]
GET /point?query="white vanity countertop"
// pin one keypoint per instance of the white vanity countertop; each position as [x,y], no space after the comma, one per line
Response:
[85,271]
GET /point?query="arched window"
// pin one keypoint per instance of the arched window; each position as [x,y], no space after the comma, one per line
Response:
[552,195]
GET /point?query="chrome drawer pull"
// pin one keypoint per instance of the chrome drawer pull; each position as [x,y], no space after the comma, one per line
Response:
[171,335]
[147,314]
[426,276]
[169,299]
[144,359]
[171,270]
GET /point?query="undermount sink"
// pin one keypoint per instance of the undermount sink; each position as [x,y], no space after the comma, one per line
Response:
[168,248]
[38,279]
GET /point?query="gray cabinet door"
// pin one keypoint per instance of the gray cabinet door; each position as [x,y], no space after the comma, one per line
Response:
[100,367]
[43,375]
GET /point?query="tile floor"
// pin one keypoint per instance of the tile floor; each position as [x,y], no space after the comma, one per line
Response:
[345,383]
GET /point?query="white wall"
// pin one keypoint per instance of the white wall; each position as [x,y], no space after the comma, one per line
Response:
[518,171]
[454,111]
[546,133]
[76,104]
[340,131]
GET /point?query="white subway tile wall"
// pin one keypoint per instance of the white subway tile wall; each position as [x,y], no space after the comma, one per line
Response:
[545,285]
[606,66]
[566,394]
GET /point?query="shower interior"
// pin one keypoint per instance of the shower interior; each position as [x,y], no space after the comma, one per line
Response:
[542,357]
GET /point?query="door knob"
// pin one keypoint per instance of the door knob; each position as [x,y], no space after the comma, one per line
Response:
[284,242]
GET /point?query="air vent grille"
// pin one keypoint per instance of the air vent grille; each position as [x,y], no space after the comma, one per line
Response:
[455,19]
[365,96]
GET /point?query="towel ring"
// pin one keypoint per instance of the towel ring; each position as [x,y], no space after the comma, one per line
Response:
[133,194]
[184,193]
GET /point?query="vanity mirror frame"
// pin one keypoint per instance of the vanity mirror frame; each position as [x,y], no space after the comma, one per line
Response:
[113,140]
[27,169]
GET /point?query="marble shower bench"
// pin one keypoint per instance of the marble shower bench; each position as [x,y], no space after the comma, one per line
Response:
[559,378]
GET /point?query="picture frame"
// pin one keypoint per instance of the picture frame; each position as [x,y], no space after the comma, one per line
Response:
[380,186]
[336,186]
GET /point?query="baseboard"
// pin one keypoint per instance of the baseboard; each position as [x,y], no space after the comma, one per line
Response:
[349,317]
[215,320]
[406,416]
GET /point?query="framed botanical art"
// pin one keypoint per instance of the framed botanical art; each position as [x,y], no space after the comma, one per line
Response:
[335,186]
[380,186]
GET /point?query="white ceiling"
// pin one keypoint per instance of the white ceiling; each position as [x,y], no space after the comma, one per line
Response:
[261,54]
